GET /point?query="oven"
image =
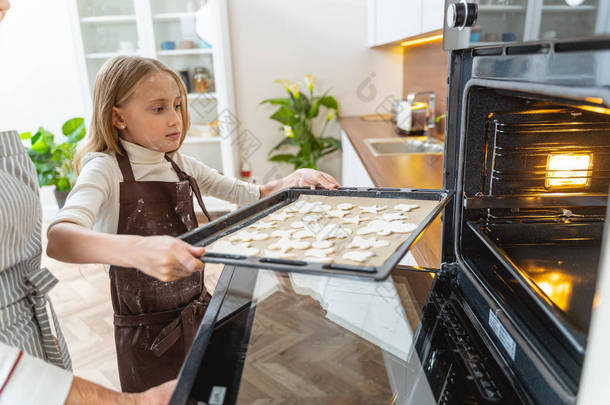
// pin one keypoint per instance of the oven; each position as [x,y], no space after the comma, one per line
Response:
[528,153]
[507,316]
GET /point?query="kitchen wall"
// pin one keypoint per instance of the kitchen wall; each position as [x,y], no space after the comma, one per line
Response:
[278,39]
[425,68]
[38,67]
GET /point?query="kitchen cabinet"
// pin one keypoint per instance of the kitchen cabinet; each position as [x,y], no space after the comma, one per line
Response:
[432,15]
[353,172]
[394,20]
[166,31]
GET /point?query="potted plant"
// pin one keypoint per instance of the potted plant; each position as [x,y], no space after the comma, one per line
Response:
[297,114]
[53,161]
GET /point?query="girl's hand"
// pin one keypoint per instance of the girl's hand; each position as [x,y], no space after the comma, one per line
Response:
[165,258]
[300,178]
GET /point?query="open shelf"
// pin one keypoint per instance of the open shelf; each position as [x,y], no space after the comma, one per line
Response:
[104,55]
[201,139]
[171,16]
[182,52]
[202,96]
[108,19]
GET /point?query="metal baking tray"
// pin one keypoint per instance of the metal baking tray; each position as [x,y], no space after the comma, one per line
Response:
[243,217]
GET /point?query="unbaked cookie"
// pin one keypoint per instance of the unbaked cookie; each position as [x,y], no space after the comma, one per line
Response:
[345,206]
[286,244]
[393,216]
[405,207]
[322,244]
[358,256]
[224,246]
[246,236]
[306,207]
[298,224]
[282,233]
[319,253]
[337,213]
[311,218]
[331,231]
[356,219]
[373,209]
[264,225]
[383,228]
[367,243]
[280,216]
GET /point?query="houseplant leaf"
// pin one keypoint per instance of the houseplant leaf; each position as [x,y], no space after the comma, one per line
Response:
[287,157]
[285,115]
[74,129]
[277,101]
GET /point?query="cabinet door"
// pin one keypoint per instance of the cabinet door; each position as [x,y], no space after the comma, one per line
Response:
[432,15]
[353,172]
[396,19]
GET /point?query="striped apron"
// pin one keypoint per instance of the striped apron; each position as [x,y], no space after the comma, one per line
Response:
[24,318]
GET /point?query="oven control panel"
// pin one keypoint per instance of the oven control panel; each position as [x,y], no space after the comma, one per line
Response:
[479,23]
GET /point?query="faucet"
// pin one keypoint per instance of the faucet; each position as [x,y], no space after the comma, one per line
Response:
[430,112]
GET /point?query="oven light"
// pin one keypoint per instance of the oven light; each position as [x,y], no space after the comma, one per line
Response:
[557,287]
[568,170]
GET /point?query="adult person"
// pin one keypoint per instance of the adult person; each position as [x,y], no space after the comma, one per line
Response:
[35,366]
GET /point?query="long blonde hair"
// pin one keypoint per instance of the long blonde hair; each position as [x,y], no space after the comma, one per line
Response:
[114,83]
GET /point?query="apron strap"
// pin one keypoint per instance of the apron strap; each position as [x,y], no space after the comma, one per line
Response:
[124,165]
[39,284]
[192,182]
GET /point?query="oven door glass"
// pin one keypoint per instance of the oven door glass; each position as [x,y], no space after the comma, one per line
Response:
[284,337]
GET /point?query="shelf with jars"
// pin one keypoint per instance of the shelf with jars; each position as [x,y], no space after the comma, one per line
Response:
[167,30]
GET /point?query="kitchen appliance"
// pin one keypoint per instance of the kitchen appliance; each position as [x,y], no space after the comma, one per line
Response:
[415,118]
[527,153]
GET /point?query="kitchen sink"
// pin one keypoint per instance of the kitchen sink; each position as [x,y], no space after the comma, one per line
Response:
[418,145]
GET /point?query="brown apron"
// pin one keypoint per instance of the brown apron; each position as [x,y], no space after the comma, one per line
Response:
[154,321]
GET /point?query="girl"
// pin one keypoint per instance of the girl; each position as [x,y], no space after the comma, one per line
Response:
[134,194]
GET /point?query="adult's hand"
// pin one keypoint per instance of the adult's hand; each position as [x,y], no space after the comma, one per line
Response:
[83,392]
[4,6]
[159,395]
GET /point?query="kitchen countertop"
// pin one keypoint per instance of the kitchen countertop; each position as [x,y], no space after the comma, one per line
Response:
[405,171]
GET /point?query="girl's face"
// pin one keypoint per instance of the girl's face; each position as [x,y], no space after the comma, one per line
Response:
[152,117]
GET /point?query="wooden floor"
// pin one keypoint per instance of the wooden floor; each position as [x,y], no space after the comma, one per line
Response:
[296,355]
[82,302]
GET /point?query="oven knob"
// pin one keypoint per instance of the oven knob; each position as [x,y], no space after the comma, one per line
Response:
[460,15]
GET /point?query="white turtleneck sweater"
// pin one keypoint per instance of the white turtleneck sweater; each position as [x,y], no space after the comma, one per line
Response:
[94,200]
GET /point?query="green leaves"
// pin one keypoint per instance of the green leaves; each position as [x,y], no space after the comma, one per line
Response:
[298,111]
[74,130]
[285,115]
[54,162]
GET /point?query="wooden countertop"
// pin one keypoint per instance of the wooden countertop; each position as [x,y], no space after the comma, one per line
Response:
[405,171]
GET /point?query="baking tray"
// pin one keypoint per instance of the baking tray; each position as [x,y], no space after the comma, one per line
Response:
[241,218]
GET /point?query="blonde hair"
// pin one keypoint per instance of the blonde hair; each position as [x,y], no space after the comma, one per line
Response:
[114,83]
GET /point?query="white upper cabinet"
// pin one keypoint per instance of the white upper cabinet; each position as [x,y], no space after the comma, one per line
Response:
[432,15]
[393,20]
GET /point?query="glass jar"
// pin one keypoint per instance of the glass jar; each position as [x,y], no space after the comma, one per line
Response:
[201,80]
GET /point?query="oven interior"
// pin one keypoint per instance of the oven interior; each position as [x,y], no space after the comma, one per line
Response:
[535,177]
